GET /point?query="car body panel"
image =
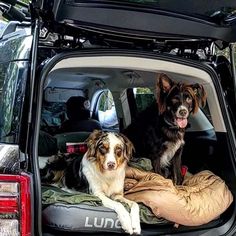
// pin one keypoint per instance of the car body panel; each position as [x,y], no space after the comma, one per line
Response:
[15,52]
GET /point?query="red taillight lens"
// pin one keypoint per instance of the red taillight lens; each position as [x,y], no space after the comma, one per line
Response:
[25,205]
[15,205]
[8,205]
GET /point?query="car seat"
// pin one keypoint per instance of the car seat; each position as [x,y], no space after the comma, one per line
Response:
[78,113]
[47,144]
[70,137]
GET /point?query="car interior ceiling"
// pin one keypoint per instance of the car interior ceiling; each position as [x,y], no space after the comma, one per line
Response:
[204,148]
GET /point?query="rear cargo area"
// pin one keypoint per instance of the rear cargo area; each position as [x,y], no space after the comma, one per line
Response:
[128,85]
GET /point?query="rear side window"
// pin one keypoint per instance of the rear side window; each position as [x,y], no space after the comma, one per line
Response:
[144,97]
[134,101]
[106,111]
[14,65]
[11,100]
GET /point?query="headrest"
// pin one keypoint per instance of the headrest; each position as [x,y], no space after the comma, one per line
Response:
[78,108]
[79,102]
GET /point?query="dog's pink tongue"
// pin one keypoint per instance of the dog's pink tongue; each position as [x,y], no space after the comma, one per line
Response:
[182,122]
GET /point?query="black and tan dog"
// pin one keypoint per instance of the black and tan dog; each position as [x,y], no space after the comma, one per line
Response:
[63,171]
[158,132]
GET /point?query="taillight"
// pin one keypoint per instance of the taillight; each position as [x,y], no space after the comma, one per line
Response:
[15,205]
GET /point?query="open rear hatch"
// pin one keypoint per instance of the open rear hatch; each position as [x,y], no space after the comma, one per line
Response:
[130,20]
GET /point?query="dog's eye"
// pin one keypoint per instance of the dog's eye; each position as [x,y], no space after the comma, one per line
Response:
[118,152]
[102,150]
[188,99]
[175,100]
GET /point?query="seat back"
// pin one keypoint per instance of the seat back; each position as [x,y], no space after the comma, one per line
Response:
[47,145]
[70,137]
[78,113]
[80,126]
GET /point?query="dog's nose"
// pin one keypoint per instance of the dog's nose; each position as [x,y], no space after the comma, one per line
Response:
[111,165]
[183,112]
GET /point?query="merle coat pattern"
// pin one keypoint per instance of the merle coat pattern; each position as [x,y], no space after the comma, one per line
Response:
[101,171]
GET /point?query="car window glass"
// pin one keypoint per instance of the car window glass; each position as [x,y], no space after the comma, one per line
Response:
[225,52]
[106,111]
[144,97]
[53,114]
[10,100]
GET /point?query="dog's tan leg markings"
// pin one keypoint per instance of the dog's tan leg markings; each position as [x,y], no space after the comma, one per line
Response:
[134,212]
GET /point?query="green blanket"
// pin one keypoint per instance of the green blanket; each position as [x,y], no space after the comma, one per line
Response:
[52,194]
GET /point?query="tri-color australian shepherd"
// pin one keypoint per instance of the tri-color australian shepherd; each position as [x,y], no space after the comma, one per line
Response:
[158,132]
[102,169]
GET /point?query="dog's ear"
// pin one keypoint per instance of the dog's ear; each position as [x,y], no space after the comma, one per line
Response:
[163,86]
[200,96]
[128,147]
[91,142]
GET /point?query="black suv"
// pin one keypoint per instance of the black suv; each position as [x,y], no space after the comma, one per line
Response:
[110,53]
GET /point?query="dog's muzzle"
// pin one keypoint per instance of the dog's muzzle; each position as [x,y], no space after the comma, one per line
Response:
[182,117]
[111,165]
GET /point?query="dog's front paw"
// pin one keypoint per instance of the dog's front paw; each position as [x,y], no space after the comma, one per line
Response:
[126,224]
[136,228]
[125,221]
[135,219]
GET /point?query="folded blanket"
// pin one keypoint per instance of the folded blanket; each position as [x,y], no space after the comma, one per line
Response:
[201,198]
[52,195]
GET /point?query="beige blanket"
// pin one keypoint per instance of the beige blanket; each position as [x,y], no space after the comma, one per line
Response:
[201,198]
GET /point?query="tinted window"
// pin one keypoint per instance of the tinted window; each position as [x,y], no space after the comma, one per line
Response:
[12,85]
[15,51]
[143,98]
[53,114]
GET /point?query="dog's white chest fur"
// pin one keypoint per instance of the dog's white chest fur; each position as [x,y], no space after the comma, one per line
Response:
[108,183]
[171,149]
